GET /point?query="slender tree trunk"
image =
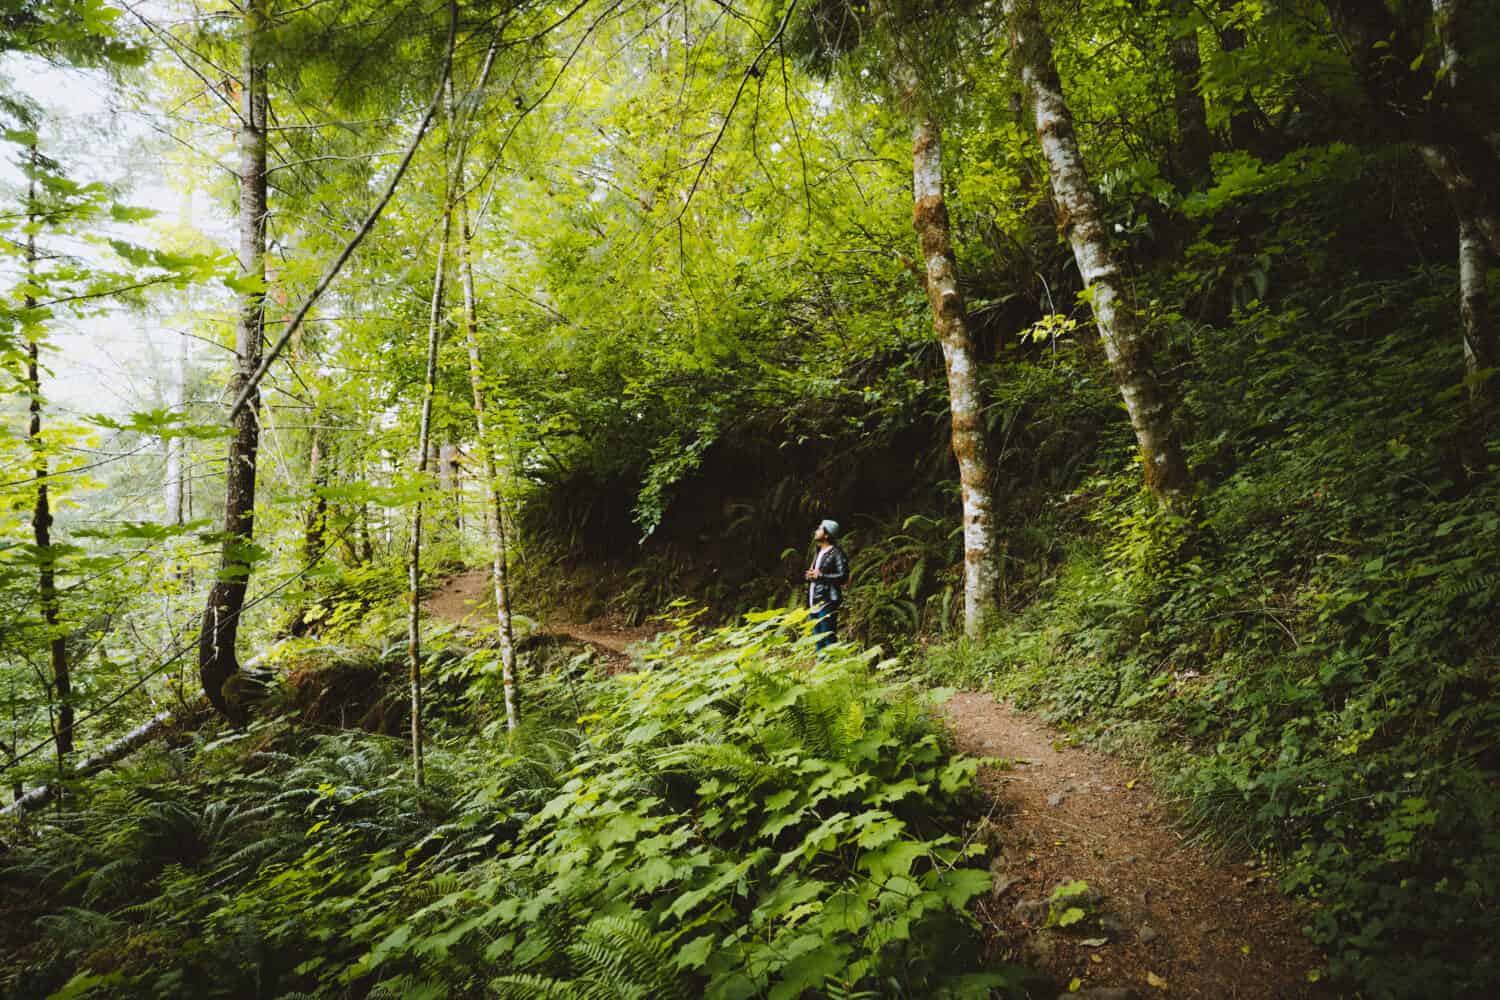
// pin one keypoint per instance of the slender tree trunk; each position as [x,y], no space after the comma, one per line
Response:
[41,528]
[1120,328]
[424,438]
[1194,141]
[1242,131]
[175,493]
[1460,154]
[217,663]
[451,485]
[494,510]
[1481,351]
[41,512]
[315,528]
[976,465]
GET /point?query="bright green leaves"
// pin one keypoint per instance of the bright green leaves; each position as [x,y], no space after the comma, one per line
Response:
[705,815]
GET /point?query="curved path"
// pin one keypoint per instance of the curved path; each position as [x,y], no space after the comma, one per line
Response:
[1164,918]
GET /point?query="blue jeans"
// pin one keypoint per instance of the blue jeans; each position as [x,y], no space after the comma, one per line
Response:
[826,624]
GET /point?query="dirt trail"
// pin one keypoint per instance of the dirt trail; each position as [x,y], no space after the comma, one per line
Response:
[468,599]
[1167,920]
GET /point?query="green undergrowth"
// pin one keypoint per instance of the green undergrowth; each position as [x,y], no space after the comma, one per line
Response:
[736,819]
[1309,660]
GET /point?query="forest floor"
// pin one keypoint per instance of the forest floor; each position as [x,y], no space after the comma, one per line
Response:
[1164,917]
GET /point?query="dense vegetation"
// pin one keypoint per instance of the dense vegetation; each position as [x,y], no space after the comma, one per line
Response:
[1182,435]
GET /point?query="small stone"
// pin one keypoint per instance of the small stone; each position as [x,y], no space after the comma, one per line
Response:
[1132,859]
[1055,799]
[1001,885]
[1147,934]
[1030,910]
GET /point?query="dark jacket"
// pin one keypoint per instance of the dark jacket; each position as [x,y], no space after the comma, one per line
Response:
[833,577]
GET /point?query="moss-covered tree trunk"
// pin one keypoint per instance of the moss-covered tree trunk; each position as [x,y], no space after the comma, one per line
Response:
[976,465]
[1125,338]
[217,662]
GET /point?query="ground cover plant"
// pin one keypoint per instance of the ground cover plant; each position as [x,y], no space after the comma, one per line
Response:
[790,824]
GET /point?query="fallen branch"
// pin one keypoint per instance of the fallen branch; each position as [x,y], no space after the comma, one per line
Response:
[111,754]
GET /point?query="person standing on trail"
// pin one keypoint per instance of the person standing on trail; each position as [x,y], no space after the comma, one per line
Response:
[826,579]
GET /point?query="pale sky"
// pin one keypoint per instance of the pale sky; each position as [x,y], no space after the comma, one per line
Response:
[93,130]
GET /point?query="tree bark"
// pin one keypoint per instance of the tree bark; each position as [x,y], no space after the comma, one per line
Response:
[41,511]
[1078,214]
[1194,141]
[1461,155]
[315,527]
[1242,131]
[976,465]
[424,437]
[1481,351]
[494,511]
[451,485]
[217,662]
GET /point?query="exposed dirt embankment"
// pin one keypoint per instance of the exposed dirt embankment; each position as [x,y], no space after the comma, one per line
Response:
[468,599]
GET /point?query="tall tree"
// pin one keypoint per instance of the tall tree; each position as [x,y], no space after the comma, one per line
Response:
[950,319]
[495,509]
[1443,113]
[175,486]
[424,439]
[41,513]
[1388,56]
[1126,340]
[217,662]
[1481,345]
[1194,141]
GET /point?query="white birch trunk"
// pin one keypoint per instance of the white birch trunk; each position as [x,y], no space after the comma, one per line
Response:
[1480,354]
[976,466]
[176,493]
[424,437]
[1125,340]
[494,510]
